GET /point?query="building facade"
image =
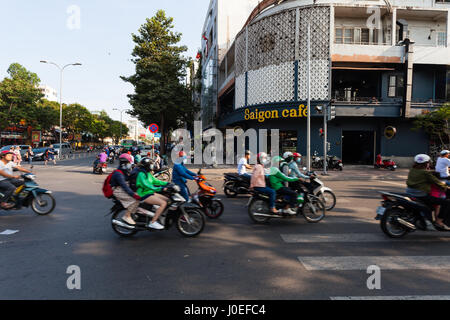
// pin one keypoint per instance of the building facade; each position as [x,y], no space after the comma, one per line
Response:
[49,93]
[378,63]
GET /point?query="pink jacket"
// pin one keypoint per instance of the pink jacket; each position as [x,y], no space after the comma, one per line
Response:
[258,177]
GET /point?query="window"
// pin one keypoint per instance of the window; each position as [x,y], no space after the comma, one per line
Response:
[396,85]
[339,35]
[442,39]
[365,36]
[348,36]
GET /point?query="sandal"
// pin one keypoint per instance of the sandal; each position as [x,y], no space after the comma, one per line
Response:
[129,221]
[442,227]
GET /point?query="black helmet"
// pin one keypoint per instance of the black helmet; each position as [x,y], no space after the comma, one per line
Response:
[147,164]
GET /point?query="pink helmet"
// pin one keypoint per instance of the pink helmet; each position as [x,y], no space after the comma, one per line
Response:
[126,156]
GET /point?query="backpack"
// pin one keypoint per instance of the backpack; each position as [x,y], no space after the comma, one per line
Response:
[107,189]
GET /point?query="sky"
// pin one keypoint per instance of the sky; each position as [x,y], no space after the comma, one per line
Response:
[95,33]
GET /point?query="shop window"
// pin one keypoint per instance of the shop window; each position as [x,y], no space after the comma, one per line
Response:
[288,140]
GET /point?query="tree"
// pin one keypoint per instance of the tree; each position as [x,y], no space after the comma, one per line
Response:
[435,124]
[76,118]
[159,94]
[45,115]
[19,95]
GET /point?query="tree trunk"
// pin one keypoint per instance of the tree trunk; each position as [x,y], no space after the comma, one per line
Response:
[162,142]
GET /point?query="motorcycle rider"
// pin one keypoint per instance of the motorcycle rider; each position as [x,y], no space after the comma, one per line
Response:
[258,182]
[181,174]
[243,165]
[294,172]
[101,159]
[147,187]
[8,181]
[419,183]
[277,180]
[442,164]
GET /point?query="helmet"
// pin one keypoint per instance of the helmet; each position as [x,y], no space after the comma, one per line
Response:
[288,155]
[297,155]
[182,154]
[125,158]
[445,152]
[277,160]
[422,158]
[261,157]
[147,164]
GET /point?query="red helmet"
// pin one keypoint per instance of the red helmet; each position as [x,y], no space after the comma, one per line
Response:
[297,155]
[182,154]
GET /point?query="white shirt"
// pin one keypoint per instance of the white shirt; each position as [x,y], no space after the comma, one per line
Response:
[7,168]
[242,169]
[442,166]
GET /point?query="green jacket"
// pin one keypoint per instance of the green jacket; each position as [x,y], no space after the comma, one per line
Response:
[147,184]
[422,180]
[277,178]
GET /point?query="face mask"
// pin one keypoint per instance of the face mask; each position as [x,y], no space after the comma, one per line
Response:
[129,166]
[299,161]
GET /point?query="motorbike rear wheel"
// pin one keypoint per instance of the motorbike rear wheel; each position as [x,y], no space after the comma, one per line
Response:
[194,226]
[261,207]
[390,226]
[123,232]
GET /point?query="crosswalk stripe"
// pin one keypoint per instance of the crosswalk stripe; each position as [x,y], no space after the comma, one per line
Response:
[384,263]
[391,298]
[359,237]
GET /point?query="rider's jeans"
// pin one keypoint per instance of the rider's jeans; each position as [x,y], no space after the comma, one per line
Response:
[8,186]
[271,193]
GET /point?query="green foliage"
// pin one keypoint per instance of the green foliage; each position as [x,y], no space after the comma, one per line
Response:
[160,95]
[435,124]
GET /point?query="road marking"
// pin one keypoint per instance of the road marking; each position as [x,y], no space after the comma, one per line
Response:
[390,298]
[358,237]
[8,232]
[394,183]
[361,263]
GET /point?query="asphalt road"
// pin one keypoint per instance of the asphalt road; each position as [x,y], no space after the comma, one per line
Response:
[232,259]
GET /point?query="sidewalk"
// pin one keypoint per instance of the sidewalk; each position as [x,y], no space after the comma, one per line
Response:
[350,173]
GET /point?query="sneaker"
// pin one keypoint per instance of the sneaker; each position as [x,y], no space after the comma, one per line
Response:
[156,226]
[291,211]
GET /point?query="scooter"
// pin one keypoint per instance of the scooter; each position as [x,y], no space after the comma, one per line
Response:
[325,194]
[334,163]
[206,198]
[100,168]
[187,217]
[385,164]
[235,184]
[400,215]
[29,194]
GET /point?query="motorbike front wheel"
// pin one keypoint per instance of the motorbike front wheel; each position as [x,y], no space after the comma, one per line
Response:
[329,200]
[43,204]
[192,223]
[214,210]
[314,210]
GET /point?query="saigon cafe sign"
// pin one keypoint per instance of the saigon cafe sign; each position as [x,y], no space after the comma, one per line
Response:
[264,115]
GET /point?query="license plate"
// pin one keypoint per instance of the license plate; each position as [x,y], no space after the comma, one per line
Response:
[381,211]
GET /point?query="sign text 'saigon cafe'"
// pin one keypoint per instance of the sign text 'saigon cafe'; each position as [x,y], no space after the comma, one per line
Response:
[263,115]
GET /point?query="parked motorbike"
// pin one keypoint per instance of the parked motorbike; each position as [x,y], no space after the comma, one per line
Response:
[400,215]
[30,194]
[385,164]
[309,206]
[316,161]
[100,168]
[334,163]
[235,184]
[206,198]
[187,217]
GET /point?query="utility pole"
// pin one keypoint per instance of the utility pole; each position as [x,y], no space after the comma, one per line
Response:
[308,146]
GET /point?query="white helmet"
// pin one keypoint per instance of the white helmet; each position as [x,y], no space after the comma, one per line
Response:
[288,155]
[445,152]
[422,158]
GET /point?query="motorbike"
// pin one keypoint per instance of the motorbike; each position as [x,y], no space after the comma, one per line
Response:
[334,163]
[29,194]
[163,174]
[316,161]
[111,158]
[205,197]
[400,215]
[325,194]
[309,206]
[385,164]
[187,217]
[235,184]
[100,168]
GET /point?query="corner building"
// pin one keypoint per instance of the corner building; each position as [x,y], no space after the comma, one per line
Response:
[379,63]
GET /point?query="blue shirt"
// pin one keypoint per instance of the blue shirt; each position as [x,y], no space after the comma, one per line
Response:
[181,174]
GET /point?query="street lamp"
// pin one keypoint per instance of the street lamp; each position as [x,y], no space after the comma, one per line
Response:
[121,113]
[60,98]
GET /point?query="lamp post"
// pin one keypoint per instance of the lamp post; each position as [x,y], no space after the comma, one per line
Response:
[121,122]
[60,98]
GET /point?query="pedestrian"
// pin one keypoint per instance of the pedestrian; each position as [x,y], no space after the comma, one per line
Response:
[442,164]
[50,155]
[30,155]
[18,156]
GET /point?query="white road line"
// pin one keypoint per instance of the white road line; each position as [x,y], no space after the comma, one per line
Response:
[359,237]
[390,298]
[394,183]
[361,263]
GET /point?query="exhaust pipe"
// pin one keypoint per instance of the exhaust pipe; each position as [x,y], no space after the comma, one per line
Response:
[272,216]
[406,224]
[123,225]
